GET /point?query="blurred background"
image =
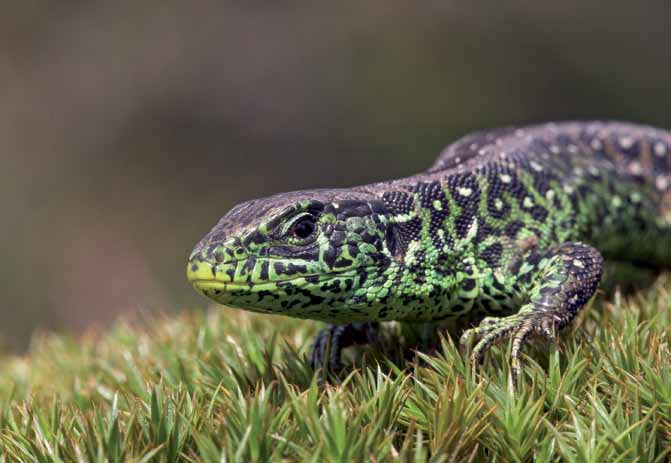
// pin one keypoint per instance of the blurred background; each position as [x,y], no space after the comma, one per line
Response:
[128,128]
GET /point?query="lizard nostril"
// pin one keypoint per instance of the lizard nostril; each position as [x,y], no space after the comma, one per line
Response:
[240,253]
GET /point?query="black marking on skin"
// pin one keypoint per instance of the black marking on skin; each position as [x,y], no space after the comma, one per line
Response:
[468,203]
[539,213]
[498,286]
[484,231]
[409,232]
[263,275]
[293,269]
[338,237]
[330,256]
[254,238]
[279,268]
[315,300]
[362,275]
[492,200]
[370,239]
[399,202]
[331,287]
[513,228]
[248,266]
[468,284]
[492,254]
[343,263]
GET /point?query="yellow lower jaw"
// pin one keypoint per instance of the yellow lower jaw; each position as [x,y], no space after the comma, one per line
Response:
[208,284]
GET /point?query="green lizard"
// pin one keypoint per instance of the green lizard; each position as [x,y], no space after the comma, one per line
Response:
[509,224]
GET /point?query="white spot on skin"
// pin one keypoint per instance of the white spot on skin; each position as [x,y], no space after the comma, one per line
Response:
[472,230]
[660,149]
[635,197]
[616,201]
[528,202]
[662,183]
[593,171]
[437,205]
[578,263]
[550,195]
[498,204]
[505,178]
[578,171]
[572,149]
[626,142]
[457,160]
[465,191]
[568,189]
[555,149]
[473,146]
[596,144]
[635,168]
[535,166]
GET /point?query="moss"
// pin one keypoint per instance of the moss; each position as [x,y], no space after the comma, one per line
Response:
[225,385]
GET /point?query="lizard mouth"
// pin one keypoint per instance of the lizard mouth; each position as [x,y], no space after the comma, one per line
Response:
[231,292]
[212,283]
[249,295]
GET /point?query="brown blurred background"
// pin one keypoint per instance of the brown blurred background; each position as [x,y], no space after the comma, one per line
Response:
[128,128]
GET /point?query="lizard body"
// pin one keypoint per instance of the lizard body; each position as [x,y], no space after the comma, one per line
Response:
[510,224]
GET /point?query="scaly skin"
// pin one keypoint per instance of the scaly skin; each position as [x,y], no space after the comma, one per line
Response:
[510,224]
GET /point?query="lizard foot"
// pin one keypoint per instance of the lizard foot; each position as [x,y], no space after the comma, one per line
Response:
[516,327]
[329,343]
[563,279]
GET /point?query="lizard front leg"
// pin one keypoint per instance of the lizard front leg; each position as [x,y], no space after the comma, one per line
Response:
[561,281]
[332,340]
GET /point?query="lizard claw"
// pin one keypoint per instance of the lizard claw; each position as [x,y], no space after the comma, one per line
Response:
[494,330]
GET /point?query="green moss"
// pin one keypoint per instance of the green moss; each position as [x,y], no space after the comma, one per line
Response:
[226,385]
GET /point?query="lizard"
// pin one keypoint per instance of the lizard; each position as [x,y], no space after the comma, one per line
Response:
[509,225]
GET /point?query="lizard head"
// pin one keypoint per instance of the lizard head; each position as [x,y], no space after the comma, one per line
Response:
[321,254]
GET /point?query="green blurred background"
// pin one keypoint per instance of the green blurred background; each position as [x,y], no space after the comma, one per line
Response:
[128,128]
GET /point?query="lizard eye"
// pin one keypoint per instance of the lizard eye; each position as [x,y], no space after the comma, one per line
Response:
[304,228]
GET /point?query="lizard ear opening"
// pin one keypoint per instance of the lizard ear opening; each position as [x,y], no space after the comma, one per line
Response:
[394,242]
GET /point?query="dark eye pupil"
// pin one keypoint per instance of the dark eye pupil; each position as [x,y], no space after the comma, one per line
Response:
[304,229]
